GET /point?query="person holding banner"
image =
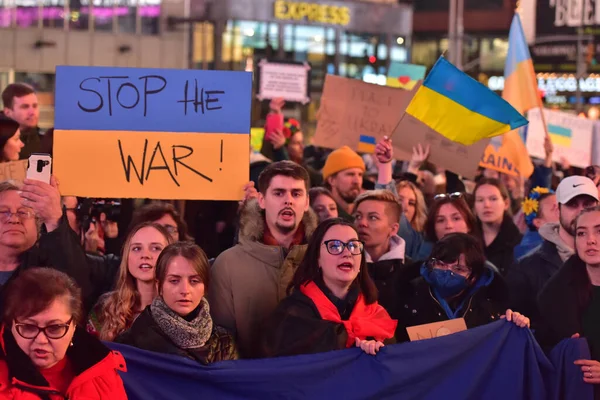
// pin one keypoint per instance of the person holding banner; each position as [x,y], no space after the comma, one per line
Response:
[333,301]
[569,304]
[250,279]
[10,140]
[499,234]
[44,353]
[178,321]
[136,282]
[456,282]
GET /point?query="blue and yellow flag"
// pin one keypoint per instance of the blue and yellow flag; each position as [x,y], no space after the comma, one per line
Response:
[405,76]
[461,109]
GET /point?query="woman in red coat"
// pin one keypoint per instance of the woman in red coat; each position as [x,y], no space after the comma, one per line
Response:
[333,304]
[44,354]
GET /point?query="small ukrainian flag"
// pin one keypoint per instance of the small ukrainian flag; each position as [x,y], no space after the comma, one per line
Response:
[461,109]
[560,135]
[366,144]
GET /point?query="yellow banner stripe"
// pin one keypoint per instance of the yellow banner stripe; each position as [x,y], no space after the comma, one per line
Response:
[452,120]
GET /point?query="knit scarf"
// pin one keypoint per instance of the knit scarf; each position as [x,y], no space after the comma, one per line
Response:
[366,321]
[185,334]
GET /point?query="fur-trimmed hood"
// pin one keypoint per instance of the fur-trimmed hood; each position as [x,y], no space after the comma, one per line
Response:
[252,222]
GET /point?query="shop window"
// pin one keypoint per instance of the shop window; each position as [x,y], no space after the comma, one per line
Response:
[425,52]
[104,15]
[443,5]
[78,17]
[149,12]
[245,40]
[126,13]
[28,13]
[7,13]
[493,54]
[204,44]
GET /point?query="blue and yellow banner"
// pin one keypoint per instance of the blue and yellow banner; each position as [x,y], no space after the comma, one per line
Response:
[405,76]
[461,109]
[152,133]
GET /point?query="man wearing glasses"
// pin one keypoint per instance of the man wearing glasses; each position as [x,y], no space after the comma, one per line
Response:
[35,233]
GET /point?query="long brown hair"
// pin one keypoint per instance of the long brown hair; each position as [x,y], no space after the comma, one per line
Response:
[119,306]
[461,206]
[191,252]
[418,220]
[309,271]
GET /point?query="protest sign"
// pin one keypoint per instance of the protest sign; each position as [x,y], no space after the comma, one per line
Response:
[507,154]
[288,81]
[351,109]
[14,170]
[152,133]
[436,329]
[405,76]
[570,135]
[445,153]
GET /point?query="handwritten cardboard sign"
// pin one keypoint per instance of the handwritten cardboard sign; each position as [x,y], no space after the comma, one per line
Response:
[436,329]
[571,136]
[14,170]
[351,108]
[456,157]
[152,133]
[288,81]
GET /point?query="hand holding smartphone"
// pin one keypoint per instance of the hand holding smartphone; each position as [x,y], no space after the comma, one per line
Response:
[40,167]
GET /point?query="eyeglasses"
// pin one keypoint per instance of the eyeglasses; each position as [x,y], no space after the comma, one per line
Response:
[456,268]
[452,196]
[30,331]
[6,215]
[336,247]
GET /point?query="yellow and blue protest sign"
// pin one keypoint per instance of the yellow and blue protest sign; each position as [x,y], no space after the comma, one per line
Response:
[405,76]
[461,109]
[152,133]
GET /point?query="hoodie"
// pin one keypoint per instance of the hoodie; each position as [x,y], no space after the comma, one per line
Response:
[550,233]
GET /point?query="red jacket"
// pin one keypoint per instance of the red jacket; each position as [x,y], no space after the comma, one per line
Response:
[95,367]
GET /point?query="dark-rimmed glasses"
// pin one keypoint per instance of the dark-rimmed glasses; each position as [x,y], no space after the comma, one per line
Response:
[336,247]
[55,331]
[456,268]
[451,196]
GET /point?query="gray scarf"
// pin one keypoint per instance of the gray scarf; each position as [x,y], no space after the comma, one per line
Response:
[185,334]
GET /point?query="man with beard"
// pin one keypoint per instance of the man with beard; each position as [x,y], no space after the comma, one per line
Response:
[527,279]
[250,279]
[343,175]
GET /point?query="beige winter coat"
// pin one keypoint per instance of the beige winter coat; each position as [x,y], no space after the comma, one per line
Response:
[250,279]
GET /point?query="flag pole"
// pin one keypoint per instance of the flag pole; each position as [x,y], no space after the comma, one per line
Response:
[398,124]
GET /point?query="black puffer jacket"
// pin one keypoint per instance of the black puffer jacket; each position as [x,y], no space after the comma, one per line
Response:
[486,305]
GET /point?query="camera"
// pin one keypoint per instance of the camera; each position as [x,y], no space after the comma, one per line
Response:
[89,210]
[41,164]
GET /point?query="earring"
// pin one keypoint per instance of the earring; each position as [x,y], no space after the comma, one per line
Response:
[71,344]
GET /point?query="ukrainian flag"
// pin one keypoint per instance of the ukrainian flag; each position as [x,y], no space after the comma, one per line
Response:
[366,144]
[560,135]
[458,107]
[405,76]
[520,82]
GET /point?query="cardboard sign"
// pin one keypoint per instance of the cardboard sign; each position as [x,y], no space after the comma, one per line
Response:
[507,154]
[436,329]
[351,108]
[571,136]
[289,81]
[13,170]
[152,133]
[456,157]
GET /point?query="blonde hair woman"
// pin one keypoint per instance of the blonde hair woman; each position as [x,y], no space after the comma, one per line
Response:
[136,284]
[413,204]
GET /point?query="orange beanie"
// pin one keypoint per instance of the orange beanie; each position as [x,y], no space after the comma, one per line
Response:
[341,159]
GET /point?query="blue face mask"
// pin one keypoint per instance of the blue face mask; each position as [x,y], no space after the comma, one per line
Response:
[446,283]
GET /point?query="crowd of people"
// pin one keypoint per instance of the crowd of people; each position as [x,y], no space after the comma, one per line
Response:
[328,250]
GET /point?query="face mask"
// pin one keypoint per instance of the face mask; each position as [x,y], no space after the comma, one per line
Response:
[447,283]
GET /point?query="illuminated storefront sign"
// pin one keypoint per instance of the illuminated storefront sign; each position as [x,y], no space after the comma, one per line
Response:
[554,85]
[311,12]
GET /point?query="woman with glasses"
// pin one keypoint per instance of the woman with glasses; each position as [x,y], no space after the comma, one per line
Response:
[178,321]
[456,283]
[44,354]
[136,282]
[333,301]
[499,234]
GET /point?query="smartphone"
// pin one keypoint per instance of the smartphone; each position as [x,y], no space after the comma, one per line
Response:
[40,167]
